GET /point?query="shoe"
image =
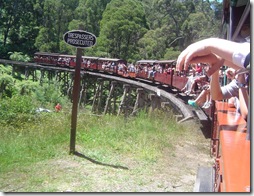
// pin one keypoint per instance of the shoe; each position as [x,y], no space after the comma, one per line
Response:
[206,105]
[192,103]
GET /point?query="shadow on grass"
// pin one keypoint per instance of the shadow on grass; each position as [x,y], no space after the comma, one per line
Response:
[97,162]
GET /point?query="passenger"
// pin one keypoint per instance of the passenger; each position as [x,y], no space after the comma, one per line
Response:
[151,71]
[224,92]
[198,81]
[189,86]
[166,69]
[158,68]
[204,99]
[198,69]
[217,52]
[131,68]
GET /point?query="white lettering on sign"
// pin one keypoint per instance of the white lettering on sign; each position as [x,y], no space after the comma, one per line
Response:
[79,42]
[80,36]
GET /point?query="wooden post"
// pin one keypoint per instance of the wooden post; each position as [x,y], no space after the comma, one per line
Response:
[75,98]
[78,39]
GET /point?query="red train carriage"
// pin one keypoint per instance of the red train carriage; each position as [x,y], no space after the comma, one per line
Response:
[109,65]
[230,142]
[143,68]
[46,58]
[231,147]
[89,62]
[66,60]
[165,76]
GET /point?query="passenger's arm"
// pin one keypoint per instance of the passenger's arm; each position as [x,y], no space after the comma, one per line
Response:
[232,52]
[215,88]
[243,99]
[243,95]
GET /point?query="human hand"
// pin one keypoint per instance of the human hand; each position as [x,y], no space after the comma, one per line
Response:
[214,61]
[192,52]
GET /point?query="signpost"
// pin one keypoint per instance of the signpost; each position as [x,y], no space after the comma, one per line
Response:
[79,39]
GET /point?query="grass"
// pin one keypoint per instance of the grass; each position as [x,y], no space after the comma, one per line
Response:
[142,136]
[33,151]
[100,136]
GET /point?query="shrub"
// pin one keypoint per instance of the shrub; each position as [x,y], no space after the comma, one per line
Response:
[16,108]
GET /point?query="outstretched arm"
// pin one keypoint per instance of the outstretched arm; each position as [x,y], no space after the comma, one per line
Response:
[232,52]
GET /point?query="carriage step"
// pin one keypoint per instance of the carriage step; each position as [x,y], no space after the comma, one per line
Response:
[201,115]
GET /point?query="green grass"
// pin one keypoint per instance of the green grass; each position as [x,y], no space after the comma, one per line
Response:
[143,136]
[32,142]
[133,154]
[99,137]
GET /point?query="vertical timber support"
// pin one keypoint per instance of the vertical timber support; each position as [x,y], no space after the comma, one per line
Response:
[140,100]
[13,70]
[70,87]
[26,73]
[155,102]
[97,96]
[42,76]
[123,105]
[34,75]
[108,102]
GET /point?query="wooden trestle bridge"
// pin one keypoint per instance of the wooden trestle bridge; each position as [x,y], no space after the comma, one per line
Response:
[111,94]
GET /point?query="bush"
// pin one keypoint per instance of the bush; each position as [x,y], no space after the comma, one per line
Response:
[15,109]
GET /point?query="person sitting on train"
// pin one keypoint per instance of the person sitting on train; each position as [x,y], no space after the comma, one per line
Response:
[229,91]
[105,65]
[200,80]
[204,98]
[218,52]
[166,69]
[189,84]
[88,63]
[238,87]
[158,68]
[151,71]
[112,66]
[194,83]
[199,69]
[131,68]
[139,68]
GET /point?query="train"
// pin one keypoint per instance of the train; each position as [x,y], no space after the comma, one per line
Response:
[230,142]
[165,69]
[230,145]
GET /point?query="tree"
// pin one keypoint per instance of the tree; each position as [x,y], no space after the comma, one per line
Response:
[122,25]
[195,31]
[56,17]
[187,21]
[18,26]
[153,44]
[90,13]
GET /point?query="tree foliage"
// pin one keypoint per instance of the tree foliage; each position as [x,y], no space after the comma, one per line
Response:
[122,25]
[129,29]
